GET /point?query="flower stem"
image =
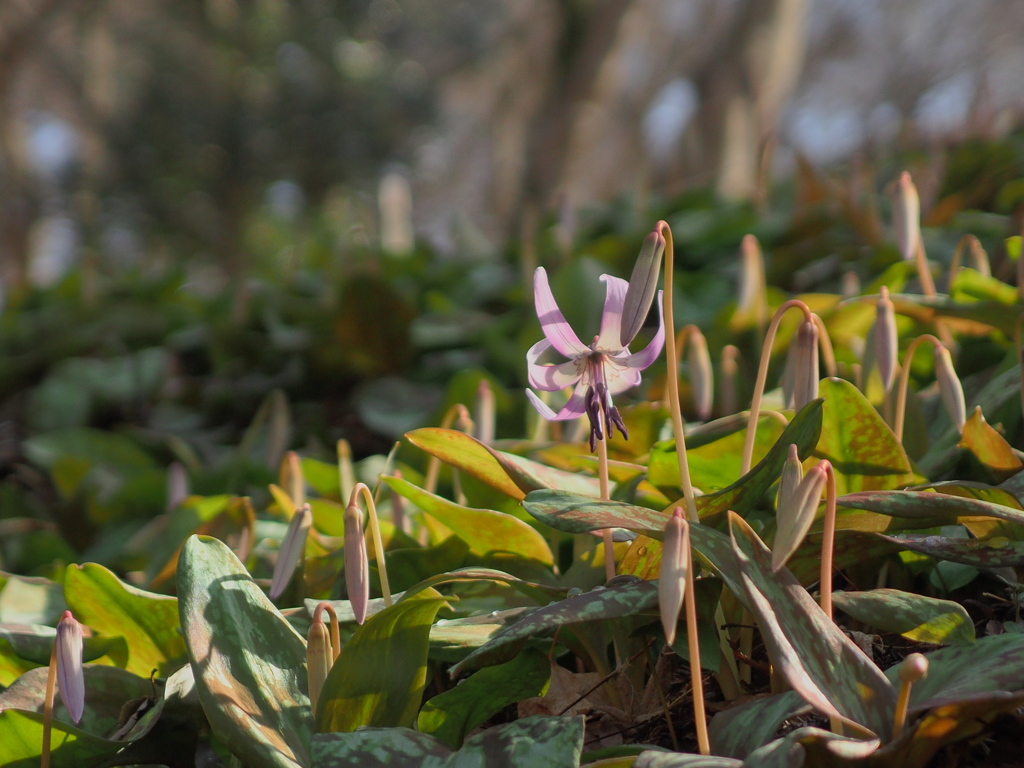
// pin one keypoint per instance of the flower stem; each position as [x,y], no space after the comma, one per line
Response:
[762,377]
[672,376]
[51,681]
[602,474]
[378,542]
[456,412]
[335,628]
[828,539]
[901,390]
[696,674]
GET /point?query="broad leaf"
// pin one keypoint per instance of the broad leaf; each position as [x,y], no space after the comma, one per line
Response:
[463,452]
[451,715]
[989,447]
[249,663]
[980,553]
[487,532]
[821,663]
[923,504]
[916,617]
[379,677]
[379,748]
[862,448]
[146,620]
[740,730]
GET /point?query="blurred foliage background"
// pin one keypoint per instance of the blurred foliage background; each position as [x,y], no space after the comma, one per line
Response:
[229,227]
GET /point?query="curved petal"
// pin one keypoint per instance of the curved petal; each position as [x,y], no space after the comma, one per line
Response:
[649,354]
[552,321]
[620,377]
[611,318]
[551,378]
[573,409]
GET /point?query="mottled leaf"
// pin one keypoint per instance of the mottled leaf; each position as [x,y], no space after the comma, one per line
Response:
[981,553]
[538,742]
[379,748]
[146,620]
[821,663]
[653,759]
[600,603]
[249,663]
[467,454]
[451,715]
[862,448]
[923,504]
[917,617]
[379,677]
[487,532]
[740,730]
[989,447]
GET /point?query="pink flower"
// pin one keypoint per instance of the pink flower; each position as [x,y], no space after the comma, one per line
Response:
[599,371]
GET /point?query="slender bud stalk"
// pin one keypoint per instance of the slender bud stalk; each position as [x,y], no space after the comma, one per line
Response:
[828,538]
[378,542]
[292,550]
[672,379]
[762,376]
[913,668]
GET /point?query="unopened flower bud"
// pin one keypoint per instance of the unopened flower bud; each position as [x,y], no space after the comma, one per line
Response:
[357,563]
[906,216]
[319,656]
[792,474]
[643,284]
[753,290]
[913,668]
[702,379]
[795,515]
[675,560]
[886,342]
[484,431]
[70,675]
[805,370]
[291,478]
[292,551]
[950,389]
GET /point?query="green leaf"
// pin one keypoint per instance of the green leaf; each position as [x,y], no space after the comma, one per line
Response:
[821,663]
[708,592]
[600,603]
[977,319]
[862,448]
[147,621]
[379,748]
[487,532]
[713,465]
[989,447]
[995,552]
[249,663]
[453,714]
[29,645]
[916,617]
[379,677]
[463,452]
[31,600]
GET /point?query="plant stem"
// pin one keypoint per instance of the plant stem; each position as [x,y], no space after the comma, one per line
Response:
[693,643]
[672,376]
[378,542]
[457,411]
[335,628]
[828,355]
[901,388]
[762,377]
[51,680]
[602,473]
[828,539]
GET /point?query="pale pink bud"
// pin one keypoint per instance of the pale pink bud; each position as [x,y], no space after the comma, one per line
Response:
[805,370]
[675,562]
[70,675]
[643,284]
[885,339]
[906,216]
[792,474]
[484,412]
[753,291]
[702,379]
[292,550]
[357,562]
[319,657]
[950,389]
[794,516]
[913,668]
